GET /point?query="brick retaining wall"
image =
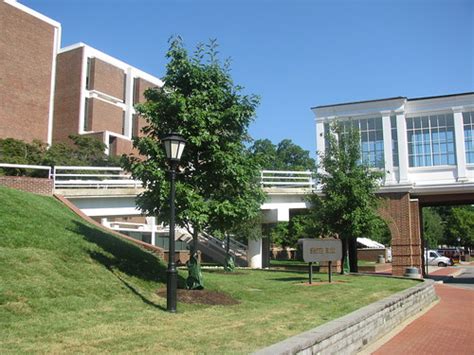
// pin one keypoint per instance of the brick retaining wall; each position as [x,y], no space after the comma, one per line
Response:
[348,334]
[39,186]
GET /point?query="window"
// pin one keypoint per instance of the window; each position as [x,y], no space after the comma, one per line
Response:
[431,140]
[86,115]
[468,118]
[393,124]
[123,122]
[371,139]
[88,74]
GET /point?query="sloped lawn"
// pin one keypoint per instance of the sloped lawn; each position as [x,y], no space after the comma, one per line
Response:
[66,286]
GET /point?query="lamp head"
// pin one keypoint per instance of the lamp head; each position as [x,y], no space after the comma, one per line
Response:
[174,146]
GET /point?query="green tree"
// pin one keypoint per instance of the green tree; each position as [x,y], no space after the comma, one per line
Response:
[217,187]
[265,154]
[460,226]
[433,227]
[286,155]
[347,207]
[15,151]
[82,150]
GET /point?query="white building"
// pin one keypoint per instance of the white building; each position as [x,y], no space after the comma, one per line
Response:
[420,142]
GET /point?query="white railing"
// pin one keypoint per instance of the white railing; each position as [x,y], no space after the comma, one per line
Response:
[92,177]
[287,179]
[70,177]
[235,247]
[31,167]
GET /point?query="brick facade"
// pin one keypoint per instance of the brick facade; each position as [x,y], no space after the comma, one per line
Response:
[103,116]
[402,216]
[120,146]
[27,47]
[106,78]
[39,186]
[140,87]
[67,103]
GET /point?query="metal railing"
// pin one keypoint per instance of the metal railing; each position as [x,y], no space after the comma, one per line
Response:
[287,179]
[92,177]
[27,167]
[70,177]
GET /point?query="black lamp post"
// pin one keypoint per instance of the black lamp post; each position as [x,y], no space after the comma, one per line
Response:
[174,146]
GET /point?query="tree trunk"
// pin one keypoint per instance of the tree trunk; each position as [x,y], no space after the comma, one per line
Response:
[194,246]
[353,254]
[344,253]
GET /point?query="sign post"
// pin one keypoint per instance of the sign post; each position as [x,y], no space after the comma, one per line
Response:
[318,250]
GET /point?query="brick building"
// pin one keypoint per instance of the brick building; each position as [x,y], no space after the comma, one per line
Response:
[48,93]
[96,94]
[29,42]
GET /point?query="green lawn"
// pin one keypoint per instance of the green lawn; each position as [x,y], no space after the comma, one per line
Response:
[68,287]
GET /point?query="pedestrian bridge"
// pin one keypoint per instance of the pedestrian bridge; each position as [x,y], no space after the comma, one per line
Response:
[110,191]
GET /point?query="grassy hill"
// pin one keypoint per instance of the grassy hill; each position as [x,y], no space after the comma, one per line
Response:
[54,265]
[66,286]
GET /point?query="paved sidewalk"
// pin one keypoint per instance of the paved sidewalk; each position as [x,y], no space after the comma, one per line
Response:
[447,328]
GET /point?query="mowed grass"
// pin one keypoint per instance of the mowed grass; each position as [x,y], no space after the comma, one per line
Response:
[66,286]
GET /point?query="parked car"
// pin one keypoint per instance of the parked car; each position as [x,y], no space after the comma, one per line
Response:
[437,260]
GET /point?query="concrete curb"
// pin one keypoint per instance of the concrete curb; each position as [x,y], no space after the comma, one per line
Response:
[350,333]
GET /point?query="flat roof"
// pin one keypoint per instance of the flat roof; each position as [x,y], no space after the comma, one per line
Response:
[360,102]
[440,96]
[394,98]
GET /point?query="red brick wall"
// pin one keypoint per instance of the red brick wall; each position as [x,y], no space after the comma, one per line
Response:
[39,186]
[402,218]
[103,116]
[67,100]
[140,86]
[106,78]
[26,57]
[370,254]
[123,146]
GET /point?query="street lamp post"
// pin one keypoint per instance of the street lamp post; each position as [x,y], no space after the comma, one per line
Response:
[174,146]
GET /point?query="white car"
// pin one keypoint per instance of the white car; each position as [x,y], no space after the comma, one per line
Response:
[437,260]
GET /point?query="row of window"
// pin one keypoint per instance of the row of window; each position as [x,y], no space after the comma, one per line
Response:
[431,139]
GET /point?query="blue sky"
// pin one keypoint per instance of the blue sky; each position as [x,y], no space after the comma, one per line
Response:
[295,54]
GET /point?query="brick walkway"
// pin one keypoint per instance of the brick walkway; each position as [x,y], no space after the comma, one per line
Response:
[447,328]
[446,271]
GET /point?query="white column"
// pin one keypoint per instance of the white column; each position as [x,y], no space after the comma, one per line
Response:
[84,91]
[104,222]
[128,103]
[283,214]
[387,148]
[320,137]
[460,148]
[151,222]
[402,147]
[254,253]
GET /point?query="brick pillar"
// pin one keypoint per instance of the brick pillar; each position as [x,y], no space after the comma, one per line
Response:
[402,216]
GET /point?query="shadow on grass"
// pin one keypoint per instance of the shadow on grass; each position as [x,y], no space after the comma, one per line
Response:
[106,262]
[292,279]
[126,257]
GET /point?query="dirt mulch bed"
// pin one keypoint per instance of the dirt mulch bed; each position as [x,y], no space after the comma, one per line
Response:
[202,297]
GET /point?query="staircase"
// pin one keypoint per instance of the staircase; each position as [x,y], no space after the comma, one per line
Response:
[216,248]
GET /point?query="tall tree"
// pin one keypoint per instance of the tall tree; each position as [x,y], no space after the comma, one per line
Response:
[347,207]
[286,155]
[460,227]
[217,186]
[433,227]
